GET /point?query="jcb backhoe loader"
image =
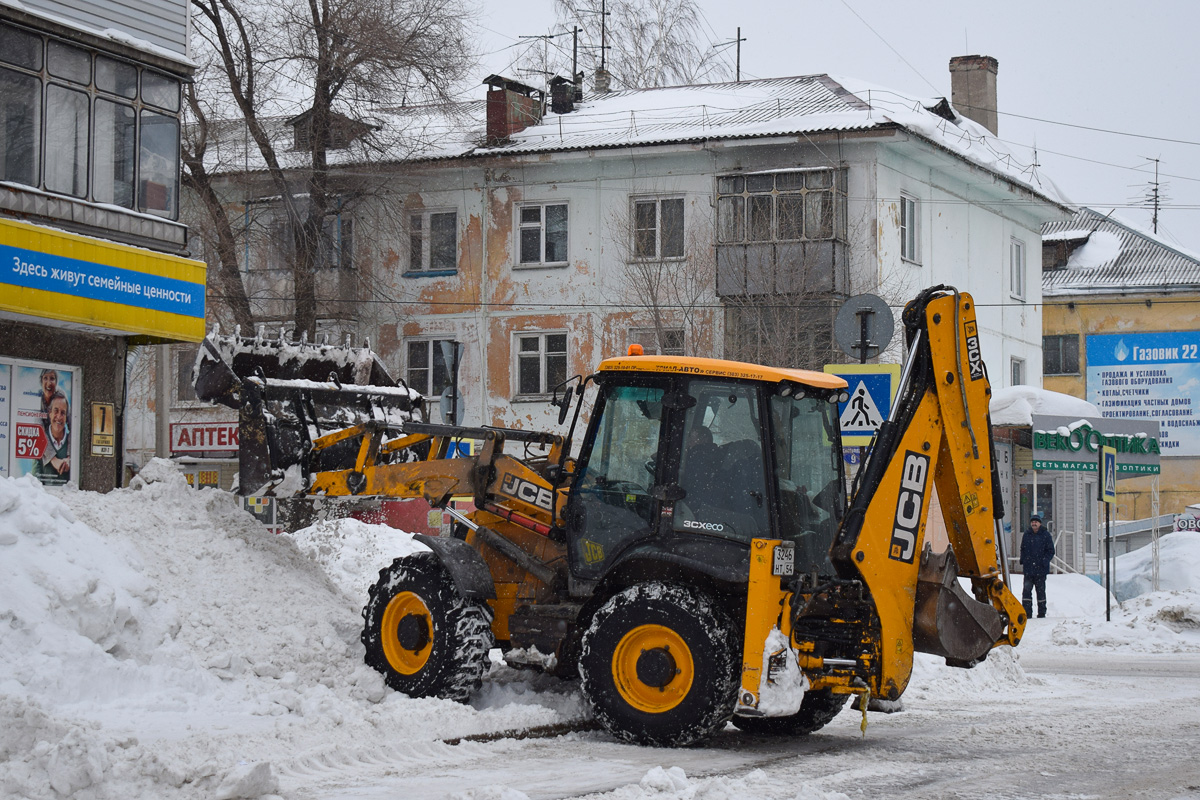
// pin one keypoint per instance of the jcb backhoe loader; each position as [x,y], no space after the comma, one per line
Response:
[697,562]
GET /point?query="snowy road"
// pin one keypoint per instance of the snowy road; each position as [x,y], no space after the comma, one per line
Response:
[1085,725]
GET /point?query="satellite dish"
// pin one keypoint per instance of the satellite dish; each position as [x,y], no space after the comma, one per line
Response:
[863,327]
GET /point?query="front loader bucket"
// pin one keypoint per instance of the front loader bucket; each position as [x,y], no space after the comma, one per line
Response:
[289,394]
[949,622]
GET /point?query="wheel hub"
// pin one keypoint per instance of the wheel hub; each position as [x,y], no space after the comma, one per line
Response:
[413,632]
[656,667]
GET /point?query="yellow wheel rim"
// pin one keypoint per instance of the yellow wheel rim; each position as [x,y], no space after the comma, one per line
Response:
[401,659]
[654,646]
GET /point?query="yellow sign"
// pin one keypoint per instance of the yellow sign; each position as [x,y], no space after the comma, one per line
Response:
[111,287]
[104,429]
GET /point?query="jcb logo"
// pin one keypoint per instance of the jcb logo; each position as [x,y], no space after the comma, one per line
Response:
[592,552]
[974,357]
[913,479]
[528,492]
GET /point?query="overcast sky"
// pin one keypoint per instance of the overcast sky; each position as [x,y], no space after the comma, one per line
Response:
[1099,87]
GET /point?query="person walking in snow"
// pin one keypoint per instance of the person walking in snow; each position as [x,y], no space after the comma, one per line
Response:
[1037,550]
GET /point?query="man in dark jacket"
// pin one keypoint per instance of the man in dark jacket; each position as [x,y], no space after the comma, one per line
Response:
[1037,549]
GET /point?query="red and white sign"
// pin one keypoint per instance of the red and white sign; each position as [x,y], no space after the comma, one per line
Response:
[1186,522]
[203,437]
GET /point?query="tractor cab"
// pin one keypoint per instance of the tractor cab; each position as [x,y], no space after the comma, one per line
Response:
[688,459]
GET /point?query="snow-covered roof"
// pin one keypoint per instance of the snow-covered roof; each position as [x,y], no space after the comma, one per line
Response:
[1115,256]
[1016,405]
[796,106]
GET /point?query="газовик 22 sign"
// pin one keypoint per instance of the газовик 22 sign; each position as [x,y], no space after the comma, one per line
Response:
[1149,376]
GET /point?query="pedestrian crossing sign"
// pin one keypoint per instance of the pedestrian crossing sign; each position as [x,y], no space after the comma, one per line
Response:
[871,389]
[1108,474]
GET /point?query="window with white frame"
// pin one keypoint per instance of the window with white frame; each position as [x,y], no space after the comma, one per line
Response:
[541,362]
[433,241]
[667,342]
[1016,266]
[427,370]
[909,230]
[658,227]
[1018,371]
[543,233]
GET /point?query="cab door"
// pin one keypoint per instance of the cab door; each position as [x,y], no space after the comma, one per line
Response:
[612,504]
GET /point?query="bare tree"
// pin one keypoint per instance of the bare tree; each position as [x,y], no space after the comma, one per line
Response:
[328,65]
[649,43]
[667,272]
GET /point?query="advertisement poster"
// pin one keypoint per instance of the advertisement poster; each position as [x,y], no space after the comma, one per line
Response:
[1153,376]
[5,439]
[43,416]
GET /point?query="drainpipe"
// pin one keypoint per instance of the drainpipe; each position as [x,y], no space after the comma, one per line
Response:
[484,339]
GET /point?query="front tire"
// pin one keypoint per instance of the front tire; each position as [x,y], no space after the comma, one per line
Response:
[422,635]
[816,711]
[658,666]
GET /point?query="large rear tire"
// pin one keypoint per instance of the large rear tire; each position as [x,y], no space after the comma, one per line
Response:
[659,667]
[422,635]
[816,711]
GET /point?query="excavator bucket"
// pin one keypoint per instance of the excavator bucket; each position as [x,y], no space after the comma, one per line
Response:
[948,621]
[288,394]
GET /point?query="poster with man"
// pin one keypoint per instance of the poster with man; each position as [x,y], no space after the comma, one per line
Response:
[42,418]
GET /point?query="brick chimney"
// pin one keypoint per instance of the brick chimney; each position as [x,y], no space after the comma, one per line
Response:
[973,89]
[511,107]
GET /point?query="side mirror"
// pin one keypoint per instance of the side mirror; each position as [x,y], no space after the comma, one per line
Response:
[563,403]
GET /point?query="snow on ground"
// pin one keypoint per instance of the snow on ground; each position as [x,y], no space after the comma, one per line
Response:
[155,642]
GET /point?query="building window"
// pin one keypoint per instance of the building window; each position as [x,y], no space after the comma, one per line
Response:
[1016,266]
[185,361]
[658,228]
[78,123]
[428,371]
[1060,355]
[803,205]
[668,342]
[433,241]
[541,363]
[543,232]
[335,250]
[909,230]
[1018,371]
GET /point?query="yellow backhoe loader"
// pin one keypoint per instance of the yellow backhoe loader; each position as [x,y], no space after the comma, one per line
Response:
[698,561]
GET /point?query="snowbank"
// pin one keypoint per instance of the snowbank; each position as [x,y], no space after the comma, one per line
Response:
[1178,566]
[1016,405]
[156,642]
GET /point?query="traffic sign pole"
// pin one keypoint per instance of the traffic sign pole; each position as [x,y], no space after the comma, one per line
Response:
[1108,494]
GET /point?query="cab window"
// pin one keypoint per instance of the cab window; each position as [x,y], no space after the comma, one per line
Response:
[721,466]
[808,476]
[612,501]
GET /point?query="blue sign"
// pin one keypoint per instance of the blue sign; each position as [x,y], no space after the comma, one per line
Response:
[72,276]
[870,389]
[1154,376]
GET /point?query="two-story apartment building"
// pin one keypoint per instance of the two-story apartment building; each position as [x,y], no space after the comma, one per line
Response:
[728,219]
[92,254]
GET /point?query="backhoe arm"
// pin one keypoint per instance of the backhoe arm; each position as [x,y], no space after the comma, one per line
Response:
[938,436]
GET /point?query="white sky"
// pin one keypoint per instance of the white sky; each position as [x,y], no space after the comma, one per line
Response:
[1115,67]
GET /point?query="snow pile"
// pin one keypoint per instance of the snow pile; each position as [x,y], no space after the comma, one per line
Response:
[1178,566]
[352,552]
[1016,405]
[1102,247]
[156,642]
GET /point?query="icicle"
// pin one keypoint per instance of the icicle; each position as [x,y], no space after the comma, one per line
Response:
[260,333]
[304,337]
[237,331]
[282,333]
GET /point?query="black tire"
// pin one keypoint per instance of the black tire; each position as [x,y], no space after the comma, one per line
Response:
[642,692]
[816,711]
[425,638]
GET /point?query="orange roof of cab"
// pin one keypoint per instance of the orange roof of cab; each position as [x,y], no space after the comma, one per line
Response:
[719,368]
